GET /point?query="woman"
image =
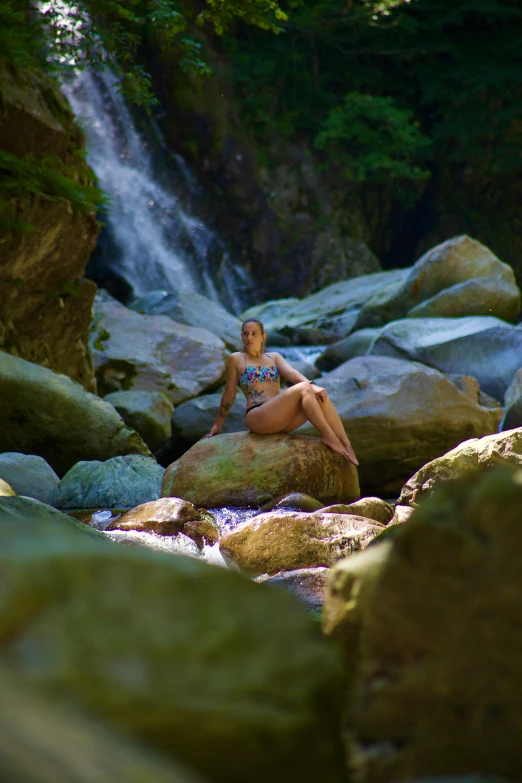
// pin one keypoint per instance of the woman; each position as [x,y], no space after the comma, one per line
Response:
[270,410]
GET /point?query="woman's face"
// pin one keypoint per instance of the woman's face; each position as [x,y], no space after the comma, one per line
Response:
[252,337]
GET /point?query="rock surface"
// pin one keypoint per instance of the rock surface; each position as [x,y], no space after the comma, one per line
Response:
[243,469]
[40,521]
[188,659]
[513,404]
[29,475]
[486,348]
[6,490]
[49,415]
[356,344]
[370,508]
[119,482]
[427,624]
[459,277]
[152,353]
[296,501]
[149,413]
[45,306]
[192,309]
[396,415]
[308,584]
[194,418]
[167,517]
[287,540]
[476,455]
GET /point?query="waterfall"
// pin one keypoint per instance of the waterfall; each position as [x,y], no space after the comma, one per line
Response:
[156,238]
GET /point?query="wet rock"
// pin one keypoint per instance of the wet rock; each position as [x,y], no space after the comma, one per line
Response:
[486,348]
[419,621]
[192,309]
[120,482]
[355,344]
[308,584]
[397,416]
[371,508]
[243,469]
[166,516]
[124,634]
[287,540]
[201,531]
[297,501]
[513,404]
[149,413]
[152,353]
[460,277]
[29,475]
[49,415]
[474,456]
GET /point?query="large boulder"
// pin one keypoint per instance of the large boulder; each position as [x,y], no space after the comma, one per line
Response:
[356,344]
[152,353]
[191,309]
[459,277]
[336,307]
[194,418]
[45,305]
[149,413]
[287,540]
[400,415]
[513,403]
[428,625]
[191,660]
[243,469]
[474,456]
[168,517]
[485,347]
[29,475]
[40,521]
[47,414]
[308,584]
[120,482]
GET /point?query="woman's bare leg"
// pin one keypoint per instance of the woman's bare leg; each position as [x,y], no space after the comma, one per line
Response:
[334,420]
[276,414]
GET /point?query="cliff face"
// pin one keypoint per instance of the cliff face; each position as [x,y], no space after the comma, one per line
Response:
[45,305]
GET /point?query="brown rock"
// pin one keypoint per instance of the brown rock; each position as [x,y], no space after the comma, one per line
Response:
[202,531]
[6,489]
[243,469]
[371,508]
[308,584]
[297,501]
[166,517]
[401,514]
[287,540]
[428,625]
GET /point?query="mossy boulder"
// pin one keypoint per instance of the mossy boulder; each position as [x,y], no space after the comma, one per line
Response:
[243,469]
[49,415]
[149,413]
[166,516]
[187,659]
[119,482]
[427,623]
[29,475]
[287,540]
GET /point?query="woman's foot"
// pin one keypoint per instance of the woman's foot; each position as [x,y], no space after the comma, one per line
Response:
[335,444]
[350,453]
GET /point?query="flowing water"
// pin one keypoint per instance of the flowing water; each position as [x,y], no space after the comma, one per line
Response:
[156,238]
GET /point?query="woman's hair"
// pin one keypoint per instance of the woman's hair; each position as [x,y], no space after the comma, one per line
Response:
[260,324]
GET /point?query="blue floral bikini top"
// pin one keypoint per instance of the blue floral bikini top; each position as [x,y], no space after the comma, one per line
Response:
[254,373]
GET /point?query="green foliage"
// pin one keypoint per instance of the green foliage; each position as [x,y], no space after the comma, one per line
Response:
[450,71]
[59,36]
[370,136]
[48,176]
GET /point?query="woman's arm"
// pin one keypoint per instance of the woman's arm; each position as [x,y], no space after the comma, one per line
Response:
[227,400]
[287,370]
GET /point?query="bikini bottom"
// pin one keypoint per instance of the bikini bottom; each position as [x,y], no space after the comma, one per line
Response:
[257,405]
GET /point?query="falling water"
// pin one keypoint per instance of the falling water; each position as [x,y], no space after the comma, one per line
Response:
[159,243]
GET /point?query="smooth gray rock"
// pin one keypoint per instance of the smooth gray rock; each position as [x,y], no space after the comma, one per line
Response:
[192,309]
[153,353]
[459,277]
[149,413]
[269,312]
[121,482]
[194,418]
[513,404]
[28,475]
[485,347]
[49,415]
[356,344]
[399,415]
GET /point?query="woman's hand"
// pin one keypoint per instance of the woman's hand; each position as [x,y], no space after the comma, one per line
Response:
[216,429]
[320,394]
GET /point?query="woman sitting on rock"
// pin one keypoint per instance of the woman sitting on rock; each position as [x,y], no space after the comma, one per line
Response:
[270,410]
